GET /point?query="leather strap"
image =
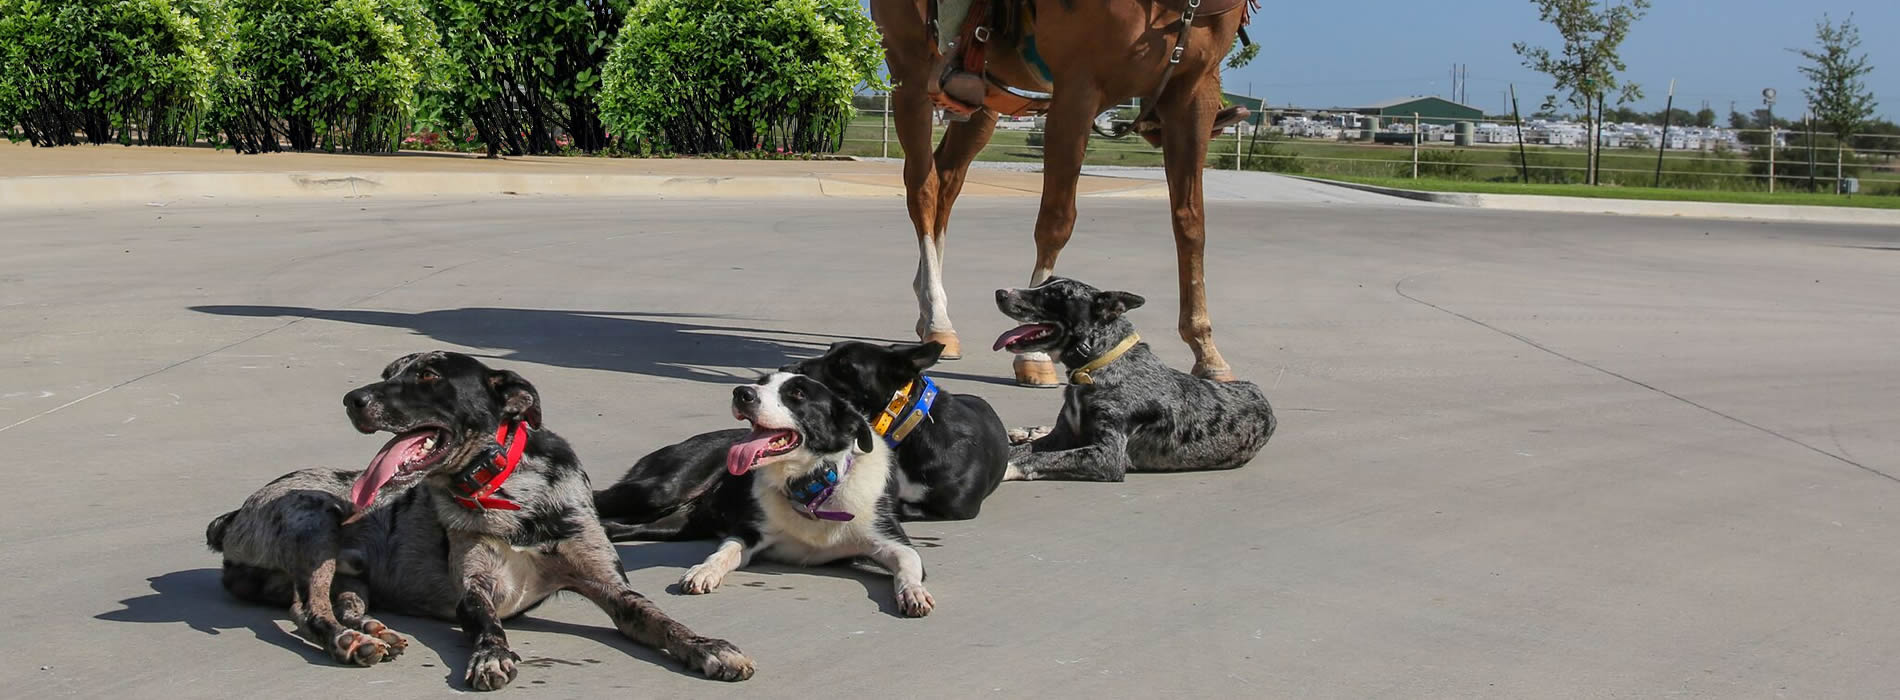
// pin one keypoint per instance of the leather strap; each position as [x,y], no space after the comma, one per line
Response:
[480,482]
[1080,375]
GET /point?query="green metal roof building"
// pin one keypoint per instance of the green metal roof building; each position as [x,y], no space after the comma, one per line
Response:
[1253,104]
[1436,110]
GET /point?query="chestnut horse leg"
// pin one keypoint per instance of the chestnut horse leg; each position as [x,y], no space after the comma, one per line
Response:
[911,111]
[1065,143]
[1188,116]
[952,161]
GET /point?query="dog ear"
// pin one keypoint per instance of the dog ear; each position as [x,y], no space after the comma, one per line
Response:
[925,355]
[1109,306]
[518,398]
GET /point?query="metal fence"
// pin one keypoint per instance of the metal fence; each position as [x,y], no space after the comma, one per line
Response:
[1331,143]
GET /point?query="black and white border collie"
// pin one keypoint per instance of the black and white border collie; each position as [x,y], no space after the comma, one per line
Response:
[818,492]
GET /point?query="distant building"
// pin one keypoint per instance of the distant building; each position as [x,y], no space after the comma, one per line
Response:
[1437,110]
[1253,104]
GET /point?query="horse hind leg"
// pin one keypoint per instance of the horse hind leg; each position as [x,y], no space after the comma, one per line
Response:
[1191,117]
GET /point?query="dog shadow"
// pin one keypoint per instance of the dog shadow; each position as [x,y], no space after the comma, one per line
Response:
[877,583]
[196,599]
[693,347]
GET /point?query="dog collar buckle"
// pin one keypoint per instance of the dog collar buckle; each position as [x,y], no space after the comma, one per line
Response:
[1081,375]
[908,409]
[810,492]
[482,480]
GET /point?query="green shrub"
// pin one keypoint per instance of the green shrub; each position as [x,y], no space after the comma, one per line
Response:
[1444,163]
[526,72]
[714,76]
[125,70]
[327,74]
[1269,153]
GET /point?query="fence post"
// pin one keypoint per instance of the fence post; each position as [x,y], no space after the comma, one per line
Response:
[1238,142]
[1662,145]
[885,139]
[1523,158]
[1417,136]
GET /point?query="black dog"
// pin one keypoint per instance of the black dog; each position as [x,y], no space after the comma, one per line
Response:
[472,513]
[1123,410]
[951,449]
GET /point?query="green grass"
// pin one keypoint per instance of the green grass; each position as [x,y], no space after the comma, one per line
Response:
[1649,193]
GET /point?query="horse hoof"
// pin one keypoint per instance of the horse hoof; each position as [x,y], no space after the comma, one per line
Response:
[1216,374]
[1040,374]
[952,348]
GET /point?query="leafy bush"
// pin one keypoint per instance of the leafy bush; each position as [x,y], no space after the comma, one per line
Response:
[112,69]
[526,71]
[1269,153]
[715,76]
[329,74]
[1444,163]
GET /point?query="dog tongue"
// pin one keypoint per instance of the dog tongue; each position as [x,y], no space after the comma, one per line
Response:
[1018,333]
[742,455]
[384,467]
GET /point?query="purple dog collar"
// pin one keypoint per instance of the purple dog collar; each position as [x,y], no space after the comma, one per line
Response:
[816,489]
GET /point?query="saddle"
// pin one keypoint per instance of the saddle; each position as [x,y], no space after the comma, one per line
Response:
[962,84]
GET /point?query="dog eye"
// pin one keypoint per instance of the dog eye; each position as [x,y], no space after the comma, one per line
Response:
[427,376]
[795,394]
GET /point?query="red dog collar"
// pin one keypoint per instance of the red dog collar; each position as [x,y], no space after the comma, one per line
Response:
[479,483]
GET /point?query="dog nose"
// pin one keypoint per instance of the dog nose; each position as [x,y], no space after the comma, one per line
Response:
[745,396]
[1002,295]
[356,400]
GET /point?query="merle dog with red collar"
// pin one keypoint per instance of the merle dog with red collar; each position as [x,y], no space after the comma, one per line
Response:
[951,450]
[473,512]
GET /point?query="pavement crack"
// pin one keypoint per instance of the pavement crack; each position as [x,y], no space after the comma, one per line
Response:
[1399,288]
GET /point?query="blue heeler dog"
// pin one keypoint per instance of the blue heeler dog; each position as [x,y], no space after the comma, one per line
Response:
[1123,411]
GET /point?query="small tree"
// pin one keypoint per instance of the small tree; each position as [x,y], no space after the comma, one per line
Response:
[1585,72]
[1705,118]
[1838,95]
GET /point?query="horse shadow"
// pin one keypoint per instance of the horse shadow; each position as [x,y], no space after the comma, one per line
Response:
[692,347]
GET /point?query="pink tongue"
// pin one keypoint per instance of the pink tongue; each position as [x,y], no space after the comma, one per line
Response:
[742,455]
[384,466]
[1018,333]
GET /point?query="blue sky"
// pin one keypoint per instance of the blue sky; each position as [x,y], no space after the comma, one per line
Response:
[1717,50]
[1324,53]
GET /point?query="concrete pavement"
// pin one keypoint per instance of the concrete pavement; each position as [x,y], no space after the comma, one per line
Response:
[1521,455]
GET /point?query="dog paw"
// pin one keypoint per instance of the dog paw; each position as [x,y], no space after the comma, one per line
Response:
[701,579]
[397,645]
[721,661]
[491,668]
[914,601]
[353,647]
[1018,436]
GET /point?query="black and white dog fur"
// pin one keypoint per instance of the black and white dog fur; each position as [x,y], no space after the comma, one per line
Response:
[951,461]
[946,466]
[1132,414]
[311,541]
[801,431]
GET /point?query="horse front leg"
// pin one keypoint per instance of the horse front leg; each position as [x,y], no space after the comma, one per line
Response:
[952,159]
[911,112]
[1065,144]
[1188,119]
